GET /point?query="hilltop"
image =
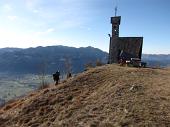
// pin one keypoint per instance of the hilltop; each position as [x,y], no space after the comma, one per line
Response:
[105,96]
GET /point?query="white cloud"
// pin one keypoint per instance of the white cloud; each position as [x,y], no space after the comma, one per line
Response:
[64,14]
[12,17]
[31,3]
[50,30]
[37,19]
[35,10]
[12,39]
[7,7]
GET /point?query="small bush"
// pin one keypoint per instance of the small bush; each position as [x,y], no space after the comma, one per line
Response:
[88,66]
[99,63]
[7,107]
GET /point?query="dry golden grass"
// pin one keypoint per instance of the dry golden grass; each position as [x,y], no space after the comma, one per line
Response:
[106,96]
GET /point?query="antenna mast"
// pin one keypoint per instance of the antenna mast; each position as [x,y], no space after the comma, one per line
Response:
[115,11]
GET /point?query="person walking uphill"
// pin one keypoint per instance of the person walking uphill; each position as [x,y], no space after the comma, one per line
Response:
[56,77]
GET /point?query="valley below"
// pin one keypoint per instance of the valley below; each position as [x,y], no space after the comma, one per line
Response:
[14,86]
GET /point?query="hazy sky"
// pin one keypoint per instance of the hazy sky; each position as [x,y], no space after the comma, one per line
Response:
[79,23]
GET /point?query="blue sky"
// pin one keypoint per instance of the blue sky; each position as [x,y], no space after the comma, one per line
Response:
[81,23]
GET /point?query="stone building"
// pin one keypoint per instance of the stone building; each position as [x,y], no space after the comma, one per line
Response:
[132,46]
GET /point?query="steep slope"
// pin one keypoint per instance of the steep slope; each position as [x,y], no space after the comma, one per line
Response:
[105,96]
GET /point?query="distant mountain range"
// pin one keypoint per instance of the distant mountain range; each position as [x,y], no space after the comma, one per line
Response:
[48,59]
[52,58]
[157,60]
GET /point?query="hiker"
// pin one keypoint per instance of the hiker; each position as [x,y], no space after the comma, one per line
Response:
[56,77]
[69,75]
